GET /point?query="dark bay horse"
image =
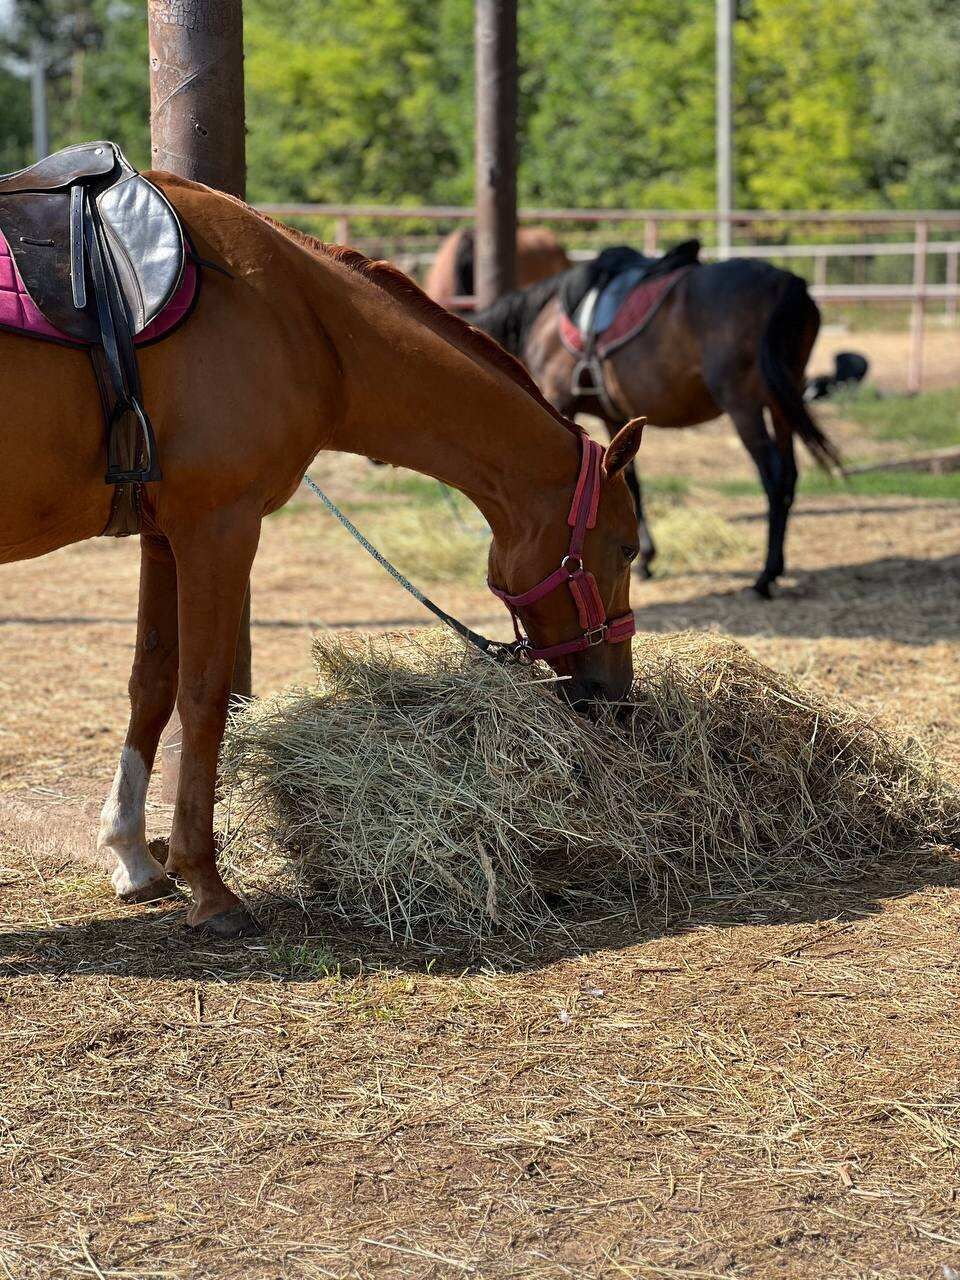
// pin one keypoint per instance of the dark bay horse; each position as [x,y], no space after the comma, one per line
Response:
[303,347]
[539,256]
[731,337]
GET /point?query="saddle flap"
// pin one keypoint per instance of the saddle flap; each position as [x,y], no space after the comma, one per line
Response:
[37,228]
[146,244]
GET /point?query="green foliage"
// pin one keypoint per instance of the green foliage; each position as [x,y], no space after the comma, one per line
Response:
[14,122]
[666,90]
[838,103]
[352,102]
[97,85]
[803,89]
[931,420]
[915,46]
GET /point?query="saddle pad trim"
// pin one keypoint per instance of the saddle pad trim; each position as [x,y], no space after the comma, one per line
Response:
[637,310]
[20,314]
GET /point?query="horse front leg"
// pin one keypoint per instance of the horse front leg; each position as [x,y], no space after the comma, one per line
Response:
[213,569]
[138,876]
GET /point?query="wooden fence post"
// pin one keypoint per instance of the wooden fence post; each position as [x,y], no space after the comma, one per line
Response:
[915,371]
[496,149]
[950,311]
[197,129]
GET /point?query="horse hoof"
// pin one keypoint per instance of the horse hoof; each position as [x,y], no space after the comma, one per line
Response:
[162,887]
[159,848]
[237,922]
[764,588]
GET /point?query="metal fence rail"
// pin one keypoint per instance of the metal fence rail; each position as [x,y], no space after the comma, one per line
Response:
[890,221]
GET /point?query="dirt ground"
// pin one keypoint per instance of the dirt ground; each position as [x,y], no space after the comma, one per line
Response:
[770,1087]
[889,355]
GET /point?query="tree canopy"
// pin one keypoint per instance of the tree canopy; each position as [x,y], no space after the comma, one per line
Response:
[838,103]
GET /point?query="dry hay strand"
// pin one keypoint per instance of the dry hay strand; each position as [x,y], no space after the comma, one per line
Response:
[428,792]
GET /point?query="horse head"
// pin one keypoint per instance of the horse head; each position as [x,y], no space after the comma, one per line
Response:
[576,614]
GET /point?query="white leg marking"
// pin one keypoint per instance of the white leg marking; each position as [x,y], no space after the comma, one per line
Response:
[123,830]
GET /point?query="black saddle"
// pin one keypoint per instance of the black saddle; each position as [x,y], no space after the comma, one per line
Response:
[616,261]
[101,252]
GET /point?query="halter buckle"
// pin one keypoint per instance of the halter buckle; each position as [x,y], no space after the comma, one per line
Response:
[596,636]
[572,565]
[520,651]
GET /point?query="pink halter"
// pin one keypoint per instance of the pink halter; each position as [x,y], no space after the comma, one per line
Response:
[597,627]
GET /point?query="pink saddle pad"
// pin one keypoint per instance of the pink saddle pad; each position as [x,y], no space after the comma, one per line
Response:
[19,312]
[634,314]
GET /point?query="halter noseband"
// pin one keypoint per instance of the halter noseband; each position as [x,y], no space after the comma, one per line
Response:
[597,627]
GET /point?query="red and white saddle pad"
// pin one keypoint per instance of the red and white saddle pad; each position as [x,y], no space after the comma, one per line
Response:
[633,315]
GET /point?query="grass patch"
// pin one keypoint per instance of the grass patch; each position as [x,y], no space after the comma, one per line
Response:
[396,482]
[688,539]
[664,491]
[430,549]
[302,961]
[930,420]
[879,484]
[868,317]
[887,484]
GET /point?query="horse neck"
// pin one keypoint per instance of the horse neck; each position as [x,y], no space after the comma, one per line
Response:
[418,400]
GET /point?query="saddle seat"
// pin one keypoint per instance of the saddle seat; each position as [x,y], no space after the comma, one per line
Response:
[88,160]
[593,292]
[100,252]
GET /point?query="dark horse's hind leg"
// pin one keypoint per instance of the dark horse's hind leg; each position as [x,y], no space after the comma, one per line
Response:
[777,466]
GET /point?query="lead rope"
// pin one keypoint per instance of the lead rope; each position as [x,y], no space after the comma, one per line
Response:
[494,649]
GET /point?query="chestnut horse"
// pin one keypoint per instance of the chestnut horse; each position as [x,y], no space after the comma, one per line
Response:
[731,337]
[539,256]
[303,347]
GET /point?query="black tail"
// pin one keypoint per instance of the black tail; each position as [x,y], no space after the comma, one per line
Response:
[777,348]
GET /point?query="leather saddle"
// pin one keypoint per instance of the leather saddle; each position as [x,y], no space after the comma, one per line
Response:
[101,251]
[592,294]
[593,291]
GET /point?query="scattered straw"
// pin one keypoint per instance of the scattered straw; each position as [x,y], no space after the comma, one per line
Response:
[426,792]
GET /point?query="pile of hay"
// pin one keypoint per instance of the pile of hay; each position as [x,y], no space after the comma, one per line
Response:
[428,792]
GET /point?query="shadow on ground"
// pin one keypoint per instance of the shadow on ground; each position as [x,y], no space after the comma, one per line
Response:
[913,601]
[154,942]
[916,601]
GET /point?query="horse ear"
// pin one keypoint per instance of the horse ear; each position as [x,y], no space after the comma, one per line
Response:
[622,449]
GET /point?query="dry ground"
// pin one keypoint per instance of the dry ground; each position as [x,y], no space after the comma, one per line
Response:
[768,1088]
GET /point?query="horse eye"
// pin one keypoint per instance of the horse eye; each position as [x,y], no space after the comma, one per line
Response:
[630,553]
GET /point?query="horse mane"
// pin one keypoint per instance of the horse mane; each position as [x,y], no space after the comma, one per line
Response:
[469,339]
[511,317]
